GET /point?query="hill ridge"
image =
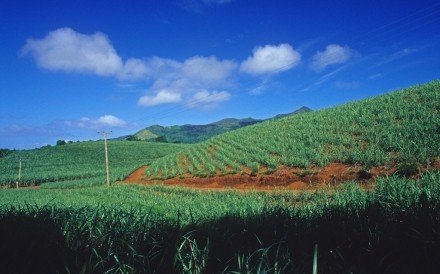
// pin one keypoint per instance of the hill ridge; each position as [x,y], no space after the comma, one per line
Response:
[396,132]
[189,133]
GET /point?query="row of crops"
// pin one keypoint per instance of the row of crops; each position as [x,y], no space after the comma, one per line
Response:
[402,127]
[79,163]
[394,228]
[156,229]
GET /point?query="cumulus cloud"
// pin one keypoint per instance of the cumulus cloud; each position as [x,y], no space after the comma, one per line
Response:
[206,100]
[271,59]
[161,97]
[67,50]
[207,70]
[105,121]
[200,79]
[333,54]
[133,69]
[64,49]
[110,120]
[176,82]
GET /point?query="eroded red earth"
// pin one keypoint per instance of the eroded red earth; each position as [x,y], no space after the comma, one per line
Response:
[283,177]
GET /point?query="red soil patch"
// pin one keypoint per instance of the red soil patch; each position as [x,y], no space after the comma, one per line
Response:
[283,177]
[137,176]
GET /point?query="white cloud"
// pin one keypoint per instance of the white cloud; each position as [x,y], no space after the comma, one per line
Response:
[271,59]
[133,69]
[64,49]
[333,54]
[206,100]
[163,68]
[67,50]
[161,97]
[207,70]
[101,122]
[171,81]
[110,120]
[176,82]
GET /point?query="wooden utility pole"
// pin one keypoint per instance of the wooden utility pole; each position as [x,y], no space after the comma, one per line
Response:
[105,133]
[19,174]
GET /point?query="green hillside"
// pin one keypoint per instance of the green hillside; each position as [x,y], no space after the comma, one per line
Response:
[190,134]
[130,228]
[79,163]
[401,127]
[193,133]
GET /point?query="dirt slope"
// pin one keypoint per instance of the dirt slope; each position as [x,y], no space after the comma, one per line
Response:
[283,177]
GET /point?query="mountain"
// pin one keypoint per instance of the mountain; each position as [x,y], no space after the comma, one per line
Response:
[191,134]
[298,111]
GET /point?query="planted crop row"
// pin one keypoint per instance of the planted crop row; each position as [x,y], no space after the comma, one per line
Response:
[79,161]
[401,127]
[155,229]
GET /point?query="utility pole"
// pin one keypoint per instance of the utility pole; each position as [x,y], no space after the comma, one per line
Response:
[19,174]
[105,133]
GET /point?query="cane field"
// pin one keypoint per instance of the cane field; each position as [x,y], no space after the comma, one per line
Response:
[69,221]
[400,127]
[79,164]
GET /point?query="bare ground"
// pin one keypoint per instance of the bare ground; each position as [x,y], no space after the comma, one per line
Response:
[283,177]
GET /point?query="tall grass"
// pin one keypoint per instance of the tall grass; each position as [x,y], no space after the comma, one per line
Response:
[79,163]
[394,229]
[400,127]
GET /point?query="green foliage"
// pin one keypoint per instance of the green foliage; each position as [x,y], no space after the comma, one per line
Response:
[61,143]
[191,257]
[400,127]
[190,134]
[5,152]
[132,138]
[161,139]
[407,169]
[76,164]
[155,229]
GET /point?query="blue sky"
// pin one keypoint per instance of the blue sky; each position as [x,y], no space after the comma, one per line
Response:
[71,68]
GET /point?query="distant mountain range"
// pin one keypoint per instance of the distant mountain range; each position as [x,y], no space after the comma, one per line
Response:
[191,134]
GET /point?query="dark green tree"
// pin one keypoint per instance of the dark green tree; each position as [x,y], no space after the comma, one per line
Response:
[161,139]
[4,152]
[132,138]
[61,143]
